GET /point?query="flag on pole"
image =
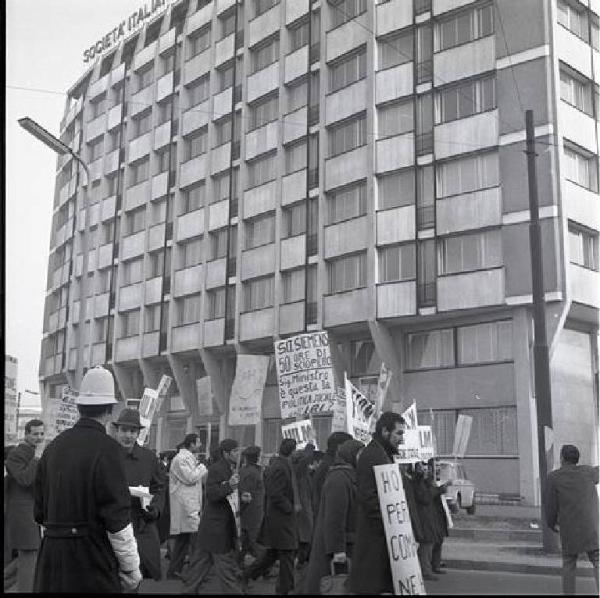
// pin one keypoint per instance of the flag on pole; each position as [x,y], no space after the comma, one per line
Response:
[359,411]
[385,376]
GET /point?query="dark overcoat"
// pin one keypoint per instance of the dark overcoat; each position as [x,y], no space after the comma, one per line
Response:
[409,492]
[23,531]
[81,493]
[370,572]
[217,532]
[143,468]
[441,520]
[280,530]
[335,528]
[428,518]
[305,518]
[318,479]
[572,502]
[251,480]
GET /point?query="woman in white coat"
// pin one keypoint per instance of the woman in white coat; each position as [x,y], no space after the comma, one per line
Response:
[185,493]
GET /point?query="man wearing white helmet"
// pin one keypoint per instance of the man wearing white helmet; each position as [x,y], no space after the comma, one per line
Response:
[82,501]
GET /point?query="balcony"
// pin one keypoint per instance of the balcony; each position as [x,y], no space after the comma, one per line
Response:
[347,307]
[257,324]
[294,10]
[293,252]
[224,50]
[584,285]
[466,60]
[133,245]
[348,36]
[141,100]
[393,15]
[573,50]
[130,296]
[218,215]
[145,56]
[293,187]
[164,86]
[395,152]
[469,211]
[259,261]
[396,225]
[346,101]
[98,352]
[107,209]
[111,162]
[581,204]
[214,332]
[215,273]
[397,299]
[139,147]
[262,82]
[577,126]
[346,237]
[466,134]
[470,289]
[262,140]
[137,195]
[394,82]
[162,135]
[166,41]
[195,118]
[186,338]
[150,342]
[127,349]
[199,18]
[193,170]
[190,225]
[295,125]
[188,281]
[260,199]
[220,158]
[95,128]
[264,25]
[196,67]
[291,317]
[346,167]
[153,290]
[296,64]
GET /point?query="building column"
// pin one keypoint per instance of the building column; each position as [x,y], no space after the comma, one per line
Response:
[185,375]
[389,353]
[339,360]
[125,383]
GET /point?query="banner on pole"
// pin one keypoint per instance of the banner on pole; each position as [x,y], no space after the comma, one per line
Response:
[338,421]
[205,396]
[401,544]
[245,403]
[163,385]
[410,417]
[461,435]
[426,451]
[359,412]
[305,374]
[301,431]
[147,409]
[385,377]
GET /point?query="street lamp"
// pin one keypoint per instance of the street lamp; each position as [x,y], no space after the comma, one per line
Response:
[57,146]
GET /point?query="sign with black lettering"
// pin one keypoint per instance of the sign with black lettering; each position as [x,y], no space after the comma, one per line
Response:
[305,374]
[401,544]
[302,432]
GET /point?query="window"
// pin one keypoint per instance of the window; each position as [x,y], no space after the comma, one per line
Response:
[216,303]
[594,32]
[466,99]
[108,232]
[424,53]
[347,202]
[396,189]
[364,360]
[465,27]
[468,174]
[188,310]
[192,198]
[198,42]
[96,148]
[162,161]
[431,349]
[142,123]
[145,77]
[135,221]
[261,6]
[465,253]
[220,187]
[297,95]
[345,10]
[395,119]
[225,75]
[484,343]
[167,63]
[103,281]
[218,243]
[98,106]
[152,318]
[133,271]
[425,198]
[348,69]
[348,135]
[298,36]
[222,131]
[165,108]
[583,247]
[158,211]
[114,138]
[196,144]
[581,168]
[576,90]
[574,18]
[258,293]
[395,49]
[397,262]
[191,252]
[347,273]
[155,264]
[295,156]
[261,170]
[260,230]
[264,111]
[100,330]
[294,220]
[227,24]
[265,54]
[198,91]
[292,284]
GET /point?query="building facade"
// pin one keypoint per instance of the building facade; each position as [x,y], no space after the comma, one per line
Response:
[264,168]
[11,366]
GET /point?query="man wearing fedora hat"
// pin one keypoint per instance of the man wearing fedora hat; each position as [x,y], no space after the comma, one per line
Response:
[142,468]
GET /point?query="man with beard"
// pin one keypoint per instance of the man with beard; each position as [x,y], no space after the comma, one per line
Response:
[370,572]
[142,468]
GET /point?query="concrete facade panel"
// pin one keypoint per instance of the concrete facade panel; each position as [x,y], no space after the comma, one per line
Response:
[220,158]
[114,116]
[466,60]
[293,252]
[95,128]
[296,64]
[111,162]
[395,152]
[262,82]
[257,324]
[140,101]
[162,135]
[572,50]
[153,290]
[191,224]
[98,87]
[346,237]
[581,205]
[471,210]
[199,18]
[264,25]
[349,166]
[470,290]
[397,299]
[215,273]
[164,86]
[346,37]
[195,117]
[577,127]
[130,296]
[139,147]
[396,225]
[193,170]
[291,317]
[295,9]
[260,199]
[348,307]
[188,281]
[295,125]
[523,26]
[346,101]
[166,41]
[108,207]
[145,55]
[105,255]
[133,245]
[185,338]
[156,237]
[218,215]
[262,139]
[196,67]
[258,261]
[101,304]
[160,185]
[584,285]
[137,195]
[393,15]
[441,6]
[293,187]
[150,344]
[394,82]
[214,332]
[466,134]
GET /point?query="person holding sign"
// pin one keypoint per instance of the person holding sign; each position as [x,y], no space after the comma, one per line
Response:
[371,573]
[142,468]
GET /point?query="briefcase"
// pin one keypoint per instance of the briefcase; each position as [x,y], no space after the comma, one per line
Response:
[335,584]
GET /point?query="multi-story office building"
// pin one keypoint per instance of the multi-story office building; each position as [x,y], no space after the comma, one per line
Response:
[10,399]
[353,166]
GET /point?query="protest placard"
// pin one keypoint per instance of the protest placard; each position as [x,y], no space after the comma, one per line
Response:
[245,403]
[461,435]
[301,431]
[338,421]
[205,396]
[60,413]
[163,385]
[401,544]
[410,417]
[147,409]
[359,412]
[409,451]
[425,443]
[305,374]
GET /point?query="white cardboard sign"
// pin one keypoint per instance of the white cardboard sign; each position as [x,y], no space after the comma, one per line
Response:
[359,412]
[148,407]
[302,432]
[426,451]
[401,544]
[409,451]
[461,435]
[245,403]
[410,417]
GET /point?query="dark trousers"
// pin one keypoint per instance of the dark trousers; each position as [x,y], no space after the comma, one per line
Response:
[285,581]
[226,568]
[436,555]
[303,553]
[569,570]
[424,552]
[181,545]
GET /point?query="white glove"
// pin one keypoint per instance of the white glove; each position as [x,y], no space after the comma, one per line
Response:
[125,547]
[130,580]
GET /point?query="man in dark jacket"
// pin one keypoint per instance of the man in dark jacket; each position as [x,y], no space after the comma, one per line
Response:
[280,530]
[251,483]
[142,468]
[571,503]
[82,500]
[215,543]
[370,572]
[23,532]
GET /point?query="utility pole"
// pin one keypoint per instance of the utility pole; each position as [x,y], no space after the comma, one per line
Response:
[541,358]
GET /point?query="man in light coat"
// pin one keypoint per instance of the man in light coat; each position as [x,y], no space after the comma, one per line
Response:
[185,493]
[571,503]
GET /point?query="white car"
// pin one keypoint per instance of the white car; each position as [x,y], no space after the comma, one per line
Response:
[460,490]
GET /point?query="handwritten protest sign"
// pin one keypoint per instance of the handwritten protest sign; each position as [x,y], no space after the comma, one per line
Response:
[163,385]
[410,417]
[205,396]
[305,374]
[245,402]
[425,443]
[147,409]
[338,421]
[461,435]
[302,432]
[401,544]
[359,413]
[409,451]
[61,413]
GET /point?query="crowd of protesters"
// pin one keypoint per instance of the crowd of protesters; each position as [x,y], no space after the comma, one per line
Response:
[106,505]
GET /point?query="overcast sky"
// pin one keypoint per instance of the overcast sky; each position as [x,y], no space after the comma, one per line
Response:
[45,40]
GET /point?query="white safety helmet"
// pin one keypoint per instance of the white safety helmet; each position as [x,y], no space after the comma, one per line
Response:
[97,388]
